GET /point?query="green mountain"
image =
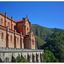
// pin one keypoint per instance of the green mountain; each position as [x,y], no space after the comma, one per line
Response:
[50,39]
[56,45]
[43,33]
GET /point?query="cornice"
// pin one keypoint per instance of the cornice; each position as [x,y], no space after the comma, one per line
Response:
[7,17]
[5,49]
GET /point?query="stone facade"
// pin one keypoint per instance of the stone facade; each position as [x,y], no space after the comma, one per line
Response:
[17,35]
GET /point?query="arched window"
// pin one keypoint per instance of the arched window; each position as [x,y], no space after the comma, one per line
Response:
[11,38]
[27,29]
[8,24]
[12,26]
[33,41]
[7,59]
[0,21]
[17,39]
[1,35]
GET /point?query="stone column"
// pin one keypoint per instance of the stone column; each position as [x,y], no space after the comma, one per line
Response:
[26,55]
[39,58]
[7,37]
[3,57]
[20,39]
[41,55]
[15,39]
[22,42]
[31,57]
[35,57]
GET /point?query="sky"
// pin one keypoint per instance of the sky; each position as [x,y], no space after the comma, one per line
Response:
[47,14]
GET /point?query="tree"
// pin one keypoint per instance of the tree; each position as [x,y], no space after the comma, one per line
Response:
[19,59]
[56,45]
[49,57]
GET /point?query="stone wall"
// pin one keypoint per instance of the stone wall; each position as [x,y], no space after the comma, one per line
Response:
[31,54]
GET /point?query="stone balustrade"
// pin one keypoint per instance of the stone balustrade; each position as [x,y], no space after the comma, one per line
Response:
[33,55]
[5,49]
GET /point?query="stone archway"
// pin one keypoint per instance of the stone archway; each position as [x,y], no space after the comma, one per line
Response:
[13,59]
[6,59]
[28,57]
[33,58]
[0,60]
[21,56]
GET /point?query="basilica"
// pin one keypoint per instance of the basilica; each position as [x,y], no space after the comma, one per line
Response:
[16,34]
[17,38]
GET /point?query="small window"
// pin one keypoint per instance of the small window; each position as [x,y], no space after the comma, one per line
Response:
[2,36]
[17,39]
[11,38]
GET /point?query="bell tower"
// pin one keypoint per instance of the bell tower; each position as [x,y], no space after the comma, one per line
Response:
[27,25]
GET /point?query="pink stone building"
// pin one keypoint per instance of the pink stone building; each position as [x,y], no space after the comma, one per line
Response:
[16,34]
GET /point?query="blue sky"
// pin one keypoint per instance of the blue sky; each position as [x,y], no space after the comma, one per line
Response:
[47,14]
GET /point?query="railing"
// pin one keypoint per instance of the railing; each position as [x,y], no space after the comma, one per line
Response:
[5,49]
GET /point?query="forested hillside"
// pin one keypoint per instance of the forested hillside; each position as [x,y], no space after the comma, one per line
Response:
[56,45]
[52,41]
[42,33]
